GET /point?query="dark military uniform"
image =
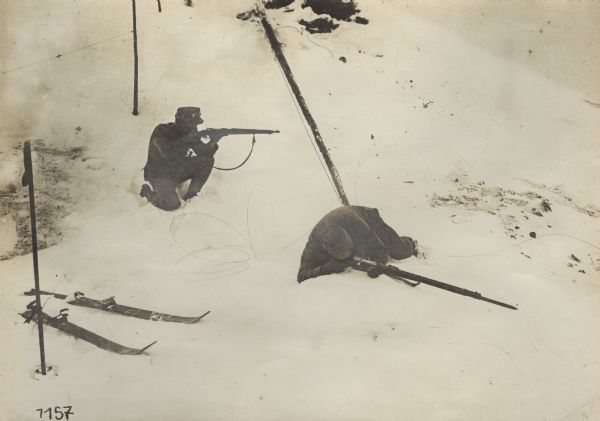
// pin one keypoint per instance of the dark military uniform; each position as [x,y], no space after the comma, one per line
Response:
[175,156]
[348,232]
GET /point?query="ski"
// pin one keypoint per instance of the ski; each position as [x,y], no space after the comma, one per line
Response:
[31,292]
[61,323]
[110,305]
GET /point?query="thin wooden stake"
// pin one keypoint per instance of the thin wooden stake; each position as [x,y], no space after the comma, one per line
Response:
[28,181]
[135,62]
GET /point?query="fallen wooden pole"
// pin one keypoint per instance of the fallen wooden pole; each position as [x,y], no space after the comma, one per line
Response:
[287,71]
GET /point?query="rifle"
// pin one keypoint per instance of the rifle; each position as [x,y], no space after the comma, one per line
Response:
[217,134]
[393,272]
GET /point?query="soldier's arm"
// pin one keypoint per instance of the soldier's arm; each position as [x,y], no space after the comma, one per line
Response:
[208,148]
[316,263]
[195,141]
[159,143]
[375,249]
[332,266]
[399,247]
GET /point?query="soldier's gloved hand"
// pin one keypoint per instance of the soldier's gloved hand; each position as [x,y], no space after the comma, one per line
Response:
[380,257]
[420,252]
[374,272]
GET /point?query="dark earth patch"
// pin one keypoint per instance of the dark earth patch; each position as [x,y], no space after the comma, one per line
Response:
[337,9]
[319,25]
[511,207]
[277,4]
[53,174]
[252,15]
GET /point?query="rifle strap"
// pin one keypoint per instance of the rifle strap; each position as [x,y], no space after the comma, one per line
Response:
[243,162]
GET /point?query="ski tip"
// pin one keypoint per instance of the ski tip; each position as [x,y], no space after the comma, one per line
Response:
[26,315]
[510,307]
[197,319]
[145,348]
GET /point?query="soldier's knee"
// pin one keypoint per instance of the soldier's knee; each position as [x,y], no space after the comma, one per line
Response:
[171,204]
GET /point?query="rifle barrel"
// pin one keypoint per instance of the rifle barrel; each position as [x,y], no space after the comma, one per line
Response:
[394,272]
[448,287]
[244,131]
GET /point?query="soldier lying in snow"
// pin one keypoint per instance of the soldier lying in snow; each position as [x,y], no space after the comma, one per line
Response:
[176,154]
[351,232]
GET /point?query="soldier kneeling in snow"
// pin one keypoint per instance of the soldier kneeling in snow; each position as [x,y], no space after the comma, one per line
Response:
[176,154]
[351,232]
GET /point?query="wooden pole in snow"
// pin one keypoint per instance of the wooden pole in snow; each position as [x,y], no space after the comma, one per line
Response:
[135,63]
[28,181]
[287,71]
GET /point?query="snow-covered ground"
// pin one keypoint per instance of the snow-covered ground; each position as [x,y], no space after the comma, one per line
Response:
[457,121]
